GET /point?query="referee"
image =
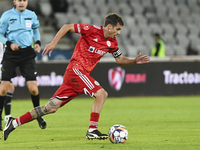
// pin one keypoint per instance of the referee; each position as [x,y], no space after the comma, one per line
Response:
[18,29]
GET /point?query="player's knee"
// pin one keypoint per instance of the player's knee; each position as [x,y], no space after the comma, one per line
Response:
[105,94]
[32,86]
[102,94]
[3,92]
[34,91]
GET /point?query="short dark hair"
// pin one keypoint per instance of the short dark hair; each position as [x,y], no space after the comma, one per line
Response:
[113,19]
[157,35]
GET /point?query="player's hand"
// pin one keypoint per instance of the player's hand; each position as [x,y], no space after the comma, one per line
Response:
[48,48]
[14,46]
[142,59]
[37,48]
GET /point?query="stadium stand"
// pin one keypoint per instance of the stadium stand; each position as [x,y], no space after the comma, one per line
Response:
[176,20]
[169,51]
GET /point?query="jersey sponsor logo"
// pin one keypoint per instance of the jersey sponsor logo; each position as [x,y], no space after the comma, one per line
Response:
[94,50]
[91,49]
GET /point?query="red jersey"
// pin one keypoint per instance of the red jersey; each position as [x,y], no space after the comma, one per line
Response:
[91,46]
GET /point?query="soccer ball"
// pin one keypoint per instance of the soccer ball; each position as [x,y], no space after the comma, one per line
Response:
[118,134]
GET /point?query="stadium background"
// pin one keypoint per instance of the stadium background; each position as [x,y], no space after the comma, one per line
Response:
[176,20]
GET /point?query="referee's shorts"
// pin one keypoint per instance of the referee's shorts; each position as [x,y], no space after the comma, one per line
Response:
[24,59]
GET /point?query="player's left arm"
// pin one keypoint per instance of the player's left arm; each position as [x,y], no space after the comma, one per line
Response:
[36,32]
[37,45]
[121,60]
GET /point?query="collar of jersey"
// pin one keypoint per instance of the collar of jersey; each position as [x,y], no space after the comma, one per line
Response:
[17,12]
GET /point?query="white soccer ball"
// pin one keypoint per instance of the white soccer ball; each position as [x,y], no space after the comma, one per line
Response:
[118,134]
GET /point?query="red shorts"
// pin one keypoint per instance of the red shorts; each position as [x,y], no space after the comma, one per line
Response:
[75,83]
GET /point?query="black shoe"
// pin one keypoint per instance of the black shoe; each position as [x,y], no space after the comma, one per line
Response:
[8,128]
[42,123]
[95,134]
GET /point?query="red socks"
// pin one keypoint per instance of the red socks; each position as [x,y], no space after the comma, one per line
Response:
[94,118]
[24,118]
[27,118]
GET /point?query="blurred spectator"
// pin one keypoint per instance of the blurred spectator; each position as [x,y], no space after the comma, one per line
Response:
[191,50]
[59,5]
[159,46]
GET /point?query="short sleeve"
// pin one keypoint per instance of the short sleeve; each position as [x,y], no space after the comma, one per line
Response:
[36,23]
[83,28]
[3,24]
[3,28]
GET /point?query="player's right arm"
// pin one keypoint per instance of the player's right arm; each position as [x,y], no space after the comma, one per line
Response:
[49,47]
[3,28]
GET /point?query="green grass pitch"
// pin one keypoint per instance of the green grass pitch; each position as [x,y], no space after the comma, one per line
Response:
[153,123]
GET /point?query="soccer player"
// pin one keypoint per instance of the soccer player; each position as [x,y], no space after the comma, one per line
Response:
[8,97]
[18,26]
[95,41]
